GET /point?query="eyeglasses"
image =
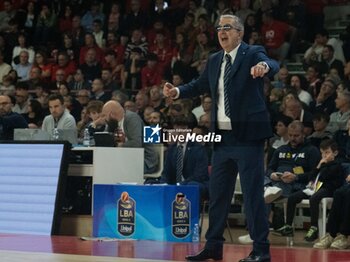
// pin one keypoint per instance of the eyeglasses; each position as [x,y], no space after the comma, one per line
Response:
[226,28]
[4,103]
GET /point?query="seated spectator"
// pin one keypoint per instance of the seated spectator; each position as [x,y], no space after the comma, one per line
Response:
[42,62]
[328,61]
[136,41]
[6,15]
[115,67]
[323,181]
[35,78]
[287,172]
[35,116]
[7,87]
[151,75]
[82,124]
[4,67]
[163,51]
[282,137]
[59,116]
[78,32]
[156,98]
[91,68]
[8,119]
[298,84]
[146,114]
[97,31]
[64,63]
[282,78]
[156,118]
[78,81]
[23,67]
[339,119]
[83,97]
[320,122]
[275,102]
[22,46]
[204,107]
[45,25]
[109,83]
[128,127]
[122,98]
[92,14]
[135,17]
[204,120]
[99,92]
[325,100]
[186,163]
[22,98]
[293,108]
[313,76]
[338,223]
[97,122]
[69,47]
[65,19]
[90,43]
[130,105]
[277,36]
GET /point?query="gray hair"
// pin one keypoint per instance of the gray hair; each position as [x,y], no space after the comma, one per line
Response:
[236,21]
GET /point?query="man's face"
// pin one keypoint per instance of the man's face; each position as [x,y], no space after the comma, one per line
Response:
[106,75]
[56,108]
[60,75]
[230,37]
[21,96]
[97,85]
[5,105]
[154,118]
[83,97]
[296,137]
[23,58]
[295,82]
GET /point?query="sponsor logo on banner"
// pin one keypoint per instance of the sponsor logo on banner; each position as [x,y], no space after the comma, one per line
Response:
[126,214]
[181,216]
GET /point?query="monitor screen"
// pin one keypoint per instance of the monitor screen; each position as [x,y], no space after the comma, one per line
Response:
[32,182]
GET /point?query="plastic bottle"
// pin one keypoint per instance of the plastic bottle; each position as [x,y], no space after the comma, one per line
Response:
[86,139]
[55,134]
[195,233]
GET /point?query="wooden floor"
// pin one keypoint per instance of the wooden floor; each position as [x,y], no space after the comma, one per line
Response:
[29,248]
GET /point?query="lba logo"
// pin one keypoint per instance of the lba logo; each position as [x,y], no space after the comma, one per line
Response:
[151,134]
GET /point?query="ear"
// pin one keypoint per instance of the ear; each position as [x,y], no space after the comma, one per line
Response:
[335,152]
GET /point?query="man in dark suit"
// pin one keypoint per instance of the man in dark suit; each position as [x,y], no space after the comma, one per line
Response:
[186,163]
[234,78]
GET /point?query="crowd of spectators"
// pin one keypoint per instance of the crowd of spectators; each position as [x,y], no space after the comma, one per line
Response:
[126,51]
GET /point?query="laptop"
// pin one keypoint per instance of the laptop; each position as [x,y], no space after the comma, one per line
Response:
[104,139]
[25,134]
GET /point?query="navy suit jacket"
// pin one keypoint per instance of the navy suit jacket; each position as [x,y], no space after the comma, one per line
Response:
[195,164]
[249,116]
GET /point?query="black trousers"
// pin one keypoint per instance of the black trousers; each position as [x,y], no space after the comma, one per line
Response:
[339,216]
[315,200]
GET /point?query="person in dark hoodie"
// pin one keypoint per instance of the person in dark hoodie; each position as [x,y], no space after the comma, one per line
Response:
[324,180]
[288,169]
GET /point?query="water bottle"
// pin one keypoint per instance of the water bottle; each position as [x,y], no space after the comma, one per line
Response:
[55,134]
[195,233]
[86,139]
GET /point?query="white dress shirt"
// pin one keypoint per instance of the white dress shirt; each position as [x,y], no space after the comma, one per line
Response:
[224,122]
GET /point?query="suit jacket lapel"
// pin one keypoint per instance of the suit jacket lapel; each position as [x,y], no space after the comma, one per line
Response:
[239,58]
